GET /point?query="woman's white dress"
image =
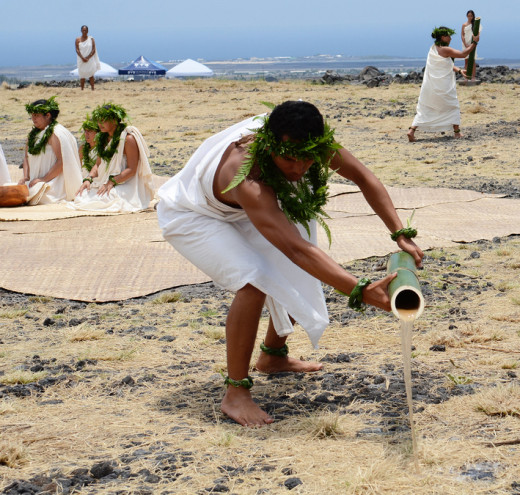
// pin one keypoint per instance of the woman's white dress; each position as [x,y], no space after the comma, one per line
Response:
[133,195]
[4,171]
[87,69]
[65,185]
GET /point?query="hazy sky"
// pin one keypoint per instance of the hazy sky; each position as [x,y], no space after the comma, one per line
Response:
[39,32]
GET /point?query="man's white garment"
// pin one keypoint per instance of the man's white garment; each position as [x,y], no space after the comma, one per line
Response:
[4,171]
[65,185]
[222,242]
[438,106]
[87,69]
[133,195]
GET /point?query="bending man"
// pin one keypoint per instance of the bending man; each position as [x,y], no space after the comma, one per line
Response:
[244,210]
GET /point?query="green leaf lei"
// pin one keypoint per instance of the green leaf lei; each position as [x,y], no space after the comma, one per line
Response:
[36,148]
[109,111]
[442,31]
[88,161]
[303,200]
[42,108]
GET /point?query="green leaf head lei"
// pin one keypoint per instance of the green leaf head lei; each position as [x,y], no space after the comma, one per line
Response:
[439,32]
[103,113]
[42,107]
[88,125]
[303,200]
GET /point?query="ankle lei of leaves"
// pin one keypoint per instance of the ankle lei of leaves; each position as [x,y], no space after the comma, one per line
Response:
[247,383]
[88,161]
[274,351]
[303,200]
[102,141]
[36,148]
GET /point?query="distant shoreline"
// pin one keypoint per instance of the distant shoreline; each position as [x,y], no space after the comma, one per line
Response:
[281,67]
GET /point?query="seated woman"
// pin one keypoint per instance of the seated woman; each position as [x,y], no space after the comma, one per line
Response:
[51,167]
[4,171]
[122,182]
[87,149]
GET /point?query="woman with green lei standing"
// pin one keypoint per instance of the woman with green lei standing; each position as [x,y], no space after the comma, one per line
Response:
[244,210]
[122,179]
[51,167]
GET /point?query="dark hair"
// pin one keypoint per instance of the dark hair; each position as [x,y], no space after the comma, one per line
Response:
[472,20]
[54,112]
[296,119]
[84,26]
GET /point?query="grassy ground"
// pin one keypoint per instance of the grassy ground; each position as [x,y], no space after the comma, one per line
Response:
[124,397]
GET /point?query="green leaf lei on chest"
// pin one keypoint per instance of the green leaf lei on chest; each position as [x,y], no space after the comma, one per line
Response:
[303,200]
[33,147]
[109,111]
[88,161]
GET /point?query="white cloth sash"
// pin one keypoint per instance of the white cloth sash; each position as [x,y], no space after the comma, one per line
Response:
[4,171]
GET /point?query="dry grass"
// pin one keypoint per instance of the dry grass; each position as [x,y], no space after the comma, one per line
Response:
[96,413]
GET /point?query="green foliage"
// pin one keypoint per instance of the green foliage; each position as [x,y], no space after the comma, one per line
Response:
[303,200]
[109,111]
[43,108]
[35,148]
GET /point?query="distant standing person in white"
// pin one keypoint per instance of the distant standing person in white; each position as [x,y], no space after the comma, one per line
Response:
[88,60]
[467,37]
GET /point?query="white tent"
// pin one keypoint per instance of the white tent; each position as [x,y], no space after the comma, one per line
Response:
[189,68]
[105,72]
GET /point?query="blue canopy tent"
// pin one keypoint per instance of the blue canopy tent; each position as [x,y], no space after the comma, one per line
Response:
[143,68]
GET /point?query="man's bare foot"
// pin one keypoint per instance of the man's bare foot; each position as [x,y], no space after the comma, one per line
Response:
[240,407]
[457,134]
[411,135]
[275,364]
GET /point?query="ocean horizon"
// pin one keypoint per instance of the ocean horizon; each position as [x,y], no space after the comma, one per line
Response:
[282,66]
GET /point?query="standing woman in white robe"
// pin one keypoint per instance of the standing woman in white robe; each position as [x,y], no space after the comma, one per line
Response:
[88,59]
[121,180]
[467,36]
[4,171]
[438,106]
[51,167]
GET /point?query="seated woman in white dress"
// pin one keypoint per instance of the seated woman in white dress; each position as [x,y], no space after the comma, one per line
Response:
[87,149]
[51,167]
[122,181]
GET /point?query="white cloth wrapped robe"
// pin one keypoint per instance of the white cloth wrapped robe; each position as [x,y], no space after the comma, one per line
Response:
[133,195]
[438,106]
[87,69]
[65,185]
[4,171]
[222,241]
